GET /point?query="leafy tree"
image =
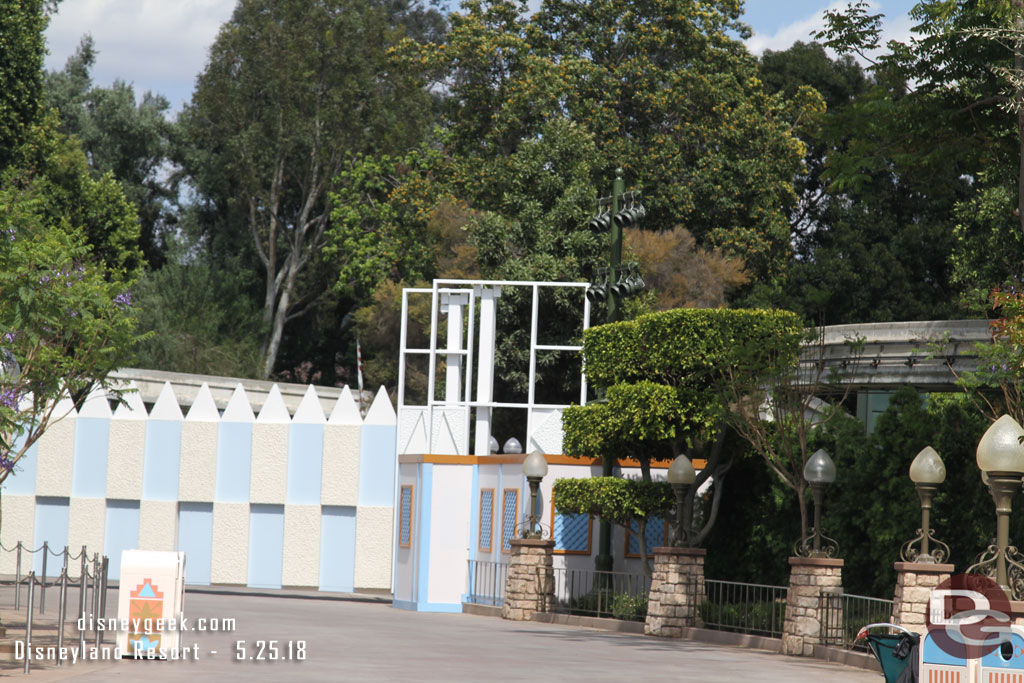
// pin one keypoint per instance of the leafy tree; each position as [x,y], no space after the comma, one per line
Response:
[291,90]
[680,274]
[665,91]
[872,231]
[775,400]
[68,193]
[67,317]
[626,502]
[131,141]
[943,108]
[199,321]
[664,374]
[22,23]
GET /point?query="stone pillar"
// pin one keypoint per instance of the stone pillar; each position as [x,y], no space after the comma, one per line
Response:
[677,588]
[811,581]
[914,584]
[530,583]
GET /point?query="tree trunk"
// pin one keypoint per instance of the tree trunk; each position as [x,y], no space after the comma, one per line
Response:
[641,524]
[1018,66]
[801,499]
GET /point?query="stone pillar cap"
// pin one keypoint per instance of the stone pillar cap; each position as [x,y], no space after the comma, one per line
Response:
[673,550]
[816,562]
[923,567]
[532,542]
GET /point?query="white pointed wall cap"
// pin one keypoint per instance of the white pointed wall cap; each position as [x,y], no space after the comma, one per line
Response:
[819,468]
[238,408]
[345,411]
[681,472]
[203,408]
[166,406]
[96,404]
[381,412]
[927,467]
[309,410]
[133,408]
[1000,448]
[274,410]
[493,445]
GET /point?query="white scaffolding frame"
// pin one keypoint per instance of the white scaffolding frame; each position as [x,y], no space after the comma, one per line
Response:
[470,349]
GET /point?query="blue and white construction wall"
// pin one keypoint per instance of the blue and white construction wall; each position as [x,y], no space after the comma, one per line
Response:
[270,500]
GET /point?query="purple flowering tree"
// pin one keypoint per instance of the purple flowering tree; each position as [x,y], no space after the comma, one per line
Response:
[65,320]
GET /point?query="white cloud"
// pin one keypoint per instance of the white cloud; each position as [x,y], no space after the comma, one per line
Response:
[895,26]
[159,45]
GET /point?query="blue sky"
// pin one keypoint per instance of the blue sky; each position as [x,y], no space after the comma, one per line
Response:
[161,45]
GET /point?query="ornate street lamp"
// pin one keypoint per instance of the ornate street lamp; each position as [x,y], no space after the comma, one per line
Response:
[819,472]
[681,476]
[927,472]
[535,467]
[1001,456]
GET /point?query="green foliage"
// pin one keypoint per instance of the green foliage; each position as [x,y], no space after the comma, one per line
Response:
[872,507]
[198,320]
[131,141]
[59,174]
[665,90]
[22,48]
[617,500]
[685,347]
[67,318]
[291,91]
[642,412]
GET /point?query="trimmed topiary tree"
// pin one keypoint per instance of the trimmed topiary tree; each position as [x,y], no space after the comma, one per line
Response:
[663,375]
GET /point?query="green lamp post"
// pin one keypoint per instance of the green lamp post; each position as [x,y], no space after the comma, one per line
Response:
[927,471]
[819,472]
[681,476]
[1000,456]
[535,468]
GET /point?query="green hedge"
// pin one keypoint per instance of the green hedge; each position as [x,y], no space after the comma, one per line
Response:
[686,345]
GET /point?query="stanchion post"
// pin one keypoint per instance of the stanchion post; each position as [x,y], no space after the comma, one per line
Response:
[81,602]
[42,584]
[103,599]
[17,579]
[62,607]
[28,621]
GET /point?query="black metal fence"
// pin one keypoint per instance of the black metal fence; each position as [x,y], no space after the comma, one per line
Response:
[753,608]
[616,595]
[485,582]
[843,615]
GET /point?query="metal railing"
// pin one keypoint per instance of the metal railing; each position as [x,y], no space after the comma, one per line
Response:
[92,593]
[616,595]
[753,608]
[843,615]
[485,582]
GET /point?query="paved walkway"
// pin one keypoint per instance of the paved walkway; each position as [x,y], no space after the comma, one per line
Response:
[360,641]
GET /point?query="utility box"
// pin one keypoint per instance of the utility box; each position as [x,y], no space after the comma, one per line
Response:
[150,599]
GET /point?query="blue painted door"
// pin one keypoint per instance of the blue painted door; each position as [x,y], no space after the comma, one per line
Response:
[195,539]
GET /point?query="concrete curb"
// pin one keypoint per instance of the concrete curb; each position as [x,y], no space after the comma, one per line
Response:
[859,660]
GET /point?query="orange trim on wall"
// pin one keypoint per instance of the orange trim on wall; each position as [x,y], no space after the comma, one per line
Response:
[490,537]
[515,459]
[590,535]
